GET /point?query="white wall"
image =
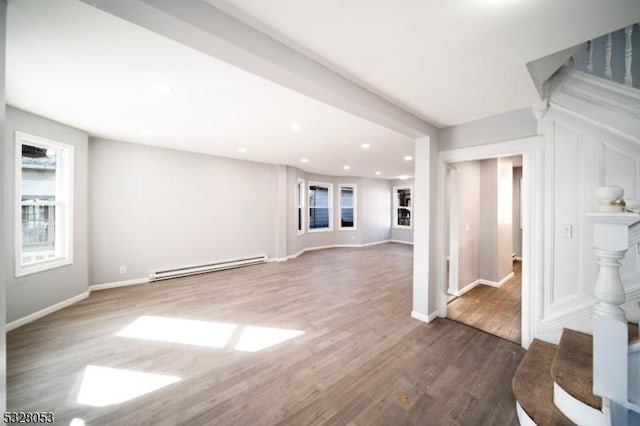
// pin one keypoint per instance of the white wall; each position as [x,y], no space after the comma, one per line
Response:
[156,208]
[402,234]
[517,231]
[488,228]
[468,222]
[505,218]
[31,293]
[376,210]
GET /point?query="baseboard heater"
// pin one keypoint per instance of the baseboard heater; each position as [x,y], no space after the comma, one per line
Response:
[203,269]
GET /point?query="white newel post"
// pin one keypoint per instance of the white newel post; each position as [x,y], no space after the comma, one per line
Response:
[611,239]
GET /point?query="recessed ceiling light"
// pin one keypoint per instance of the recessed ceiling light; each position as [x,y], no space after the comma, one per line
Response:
[295,127]
[378,173]
[146,133]
[403,177]
[365,146]
[408,158]
[242,150]
[304,160]
[163,88]
[346,167]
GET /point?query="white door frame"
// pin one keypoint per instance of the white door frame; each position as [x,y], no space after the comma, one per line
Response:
[532,151]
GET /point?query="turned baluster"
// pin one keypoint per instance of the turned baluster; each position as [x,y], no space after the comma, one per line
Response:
[628,55]
[607,57]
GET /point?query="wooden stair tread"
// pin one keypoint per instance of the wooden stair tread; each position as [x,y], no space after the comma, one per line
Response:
[572,367]
[633,332]
[533,386]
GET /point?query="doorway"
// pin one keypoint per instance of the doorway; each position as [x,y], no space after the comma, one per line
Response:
[484,245]
[526,264]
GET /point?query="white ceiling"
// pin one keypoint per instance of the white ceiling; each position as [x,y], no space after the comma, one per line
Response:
[80,66]
[449,62]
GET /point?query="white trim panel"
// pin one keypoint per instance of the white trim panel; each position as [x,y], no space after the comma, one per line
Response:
[523,417]
[577,411]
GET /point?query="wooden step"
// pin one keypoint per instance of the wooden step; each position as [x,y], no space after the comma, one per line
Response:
[533,386]
[572,367]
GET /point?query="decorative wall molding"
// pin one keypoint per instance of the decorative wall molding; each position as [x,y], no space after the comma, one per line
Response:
[603,103]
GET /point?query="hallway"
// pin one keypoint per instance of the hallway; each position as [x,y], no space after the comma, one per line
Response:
[490,309]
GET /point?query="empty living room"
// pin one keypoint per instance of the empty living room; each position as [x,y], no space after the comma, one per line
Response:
[235,212]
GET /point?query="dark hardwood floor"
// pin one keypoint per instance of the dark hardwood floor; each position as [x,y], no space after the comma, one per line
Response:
[360,359]
[494,310]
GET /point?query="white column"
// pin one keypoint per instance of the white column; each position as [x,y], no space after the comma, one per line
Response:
[421,199]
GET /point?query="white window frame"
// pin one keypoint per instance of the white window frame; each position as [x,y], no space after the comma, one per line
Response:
[301,212]
[396,206]
[355,206]
[330,187]
[64,202]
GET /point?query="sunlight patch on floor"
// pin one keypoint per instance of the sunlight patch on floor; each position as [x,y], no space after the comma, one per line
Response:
[207,333]
[102,386]
[254,339]
[173,330]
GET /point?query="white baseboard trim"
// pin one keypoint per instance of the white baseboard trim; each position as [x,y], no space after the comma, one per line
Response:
[97,287]
[467,288]
[70,301]
[46,311]
[523,417]
[499,283]
[293,256]
[518,259]
[423,317]
[576,410]
[409,243]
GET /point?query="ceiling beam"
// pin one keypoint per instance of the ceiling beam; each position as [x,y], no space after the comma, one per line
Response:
[201,26]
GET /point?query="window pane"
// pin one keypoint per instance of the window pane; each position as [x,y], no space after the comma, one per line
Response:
[38,233]
[346,196]
[318,218]
[404,197]
[346,217]
[404,217]
[38,173]
[299,219]
[318,196]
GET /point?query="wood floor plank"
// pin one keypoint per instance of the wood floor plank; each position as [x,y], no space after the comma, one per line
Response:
[361,360]
[494,310]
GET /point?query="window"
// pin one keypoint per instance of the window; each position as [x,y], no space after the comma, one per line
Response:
[402,207]
[320,195]
[300,205]
[44,206]
[348,206]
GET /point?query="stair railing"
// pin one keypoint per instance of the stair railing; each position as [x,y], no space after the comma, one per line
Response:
[611,56]
[614,231]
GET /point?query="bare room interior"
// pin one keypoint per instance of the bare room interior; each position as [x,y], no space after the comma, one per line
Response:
[235,212]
